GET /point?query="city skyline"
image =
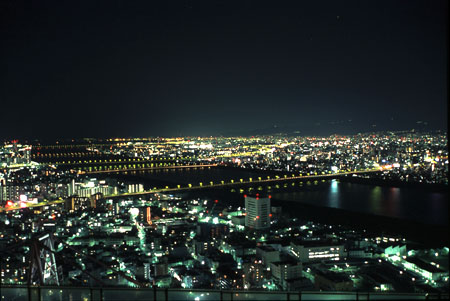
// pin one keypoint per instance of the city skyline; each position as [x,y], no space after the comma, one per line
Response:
[212,68]
[362,214]
[241,150]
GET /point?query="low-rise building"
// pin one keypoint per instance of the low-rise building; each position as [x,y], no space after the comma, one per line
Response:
[428,271]
[268,254]
[316,250]
[332,281]
[286,269]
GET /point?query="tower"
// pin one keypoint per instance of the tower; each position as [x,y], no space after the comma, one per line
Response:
[43,266]
[257,212]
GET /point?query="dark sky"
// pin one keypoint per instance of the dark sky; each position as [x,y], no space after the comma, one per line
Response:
[159,68]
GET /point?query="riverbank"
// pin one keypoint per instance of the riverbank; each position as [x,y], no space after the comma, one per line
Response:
[429,235]
[360,206]
[394,183]
[360,180]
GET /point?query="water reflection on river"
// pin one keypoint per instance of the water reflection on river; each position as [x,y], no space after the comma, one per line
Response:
[406,202]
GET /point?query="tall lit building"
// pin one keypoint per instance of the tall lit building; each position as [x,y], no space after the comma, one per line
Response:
[257,212]
[10,192]
[145,214]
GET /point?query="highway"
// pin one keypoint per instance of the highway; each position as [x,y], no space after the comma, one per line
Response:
[31,205]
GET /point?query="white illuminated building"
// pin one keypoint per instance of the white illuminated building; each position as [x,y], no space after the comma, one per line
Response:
[257,212]
[316,250]
[91,187]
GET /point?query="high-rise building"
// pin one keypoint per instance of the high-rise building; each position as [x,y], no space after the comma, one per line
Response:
[74,203]
[133,188]
[257,212]
[11,192]
[145,214]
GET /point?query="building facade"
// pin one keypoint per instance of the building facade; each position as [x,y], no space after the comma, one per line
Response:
[257,212]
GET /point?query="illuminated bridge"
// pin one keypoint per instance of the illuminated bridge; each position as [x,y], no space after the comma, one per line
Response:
[210,185]
[97,160]
[149,168]
[79,156]
[241,182]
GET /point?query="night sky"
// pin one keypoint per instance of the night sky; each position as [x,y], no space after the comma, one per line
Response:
[171,68]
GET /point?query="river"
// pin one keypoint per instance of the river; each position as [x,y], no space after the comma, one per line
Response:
[413,203]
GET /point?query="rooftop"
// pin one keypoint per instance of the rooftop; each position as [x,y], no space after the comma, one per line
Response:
[424,265]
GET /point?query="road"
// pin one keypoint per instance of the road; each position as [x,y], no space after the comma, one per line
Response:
[31,205]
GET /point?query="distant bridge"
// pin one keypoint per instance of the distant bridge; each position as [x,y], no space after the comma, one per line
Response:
[116,161]
[148,168]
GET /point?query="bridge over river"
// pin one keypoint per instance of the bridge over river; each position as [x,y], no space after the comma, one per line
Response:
[210,185]
[242,182]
